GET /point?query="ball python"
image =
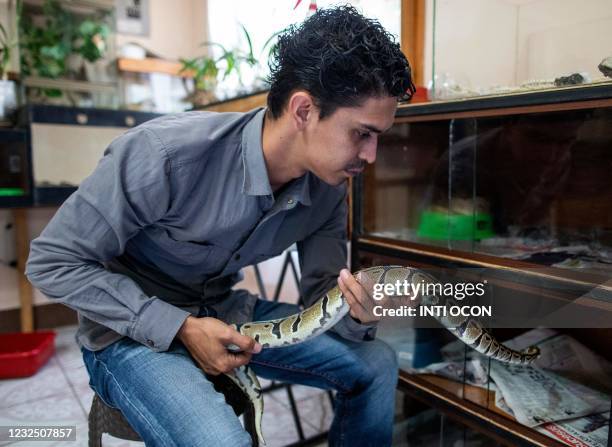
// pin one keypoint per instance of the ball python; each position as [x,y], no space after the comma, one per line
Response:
[331,307]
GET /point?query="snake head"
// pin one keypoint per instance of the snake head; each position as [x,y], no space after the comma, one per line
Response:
[531,353]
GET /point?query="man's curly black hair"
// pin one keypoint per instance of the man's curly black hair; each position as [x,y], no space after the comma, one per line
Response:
[340,58]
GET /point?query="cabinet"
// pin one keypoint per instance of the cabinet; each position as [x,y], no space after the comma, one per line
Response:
[15,188]
[514,192]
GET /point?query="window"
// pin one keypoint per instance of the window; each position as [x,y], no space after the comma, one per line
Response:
[262,18]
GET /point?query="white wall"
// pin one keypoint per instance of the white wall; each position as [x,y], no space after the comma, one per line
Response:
[558,37]
[176,29]
[483,43]
[474,49]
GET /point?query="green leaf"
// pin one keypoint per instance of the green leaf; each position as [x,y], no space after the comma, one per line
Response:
[248,38]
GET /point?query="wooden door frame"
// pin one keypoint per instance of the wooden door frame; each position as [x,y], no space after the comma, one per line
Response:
[412,38]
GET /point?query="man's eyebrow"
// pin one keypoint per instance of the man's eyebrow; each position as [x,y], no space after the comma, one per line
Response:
[371,128]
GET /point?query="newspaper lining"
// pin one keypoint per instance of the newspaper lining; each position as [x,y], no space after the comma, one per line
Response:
[546,396]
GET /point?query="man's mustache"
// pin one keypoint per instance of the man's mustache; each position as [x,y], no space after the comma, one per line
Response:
[357,164]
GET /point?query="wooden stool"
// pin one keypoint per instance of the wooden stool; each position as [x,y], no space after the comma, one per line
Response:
[104,419]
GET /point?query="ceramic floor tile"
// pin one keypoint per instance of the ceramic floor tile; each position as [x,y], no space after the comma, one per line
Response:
[66,347]
[82,440]
[69,355]
[301,392]
[316,414]
[65,332]
[279,395]
[109,441]
[277,425]
[85,395]
[48,381]
[56,410]
[76,374]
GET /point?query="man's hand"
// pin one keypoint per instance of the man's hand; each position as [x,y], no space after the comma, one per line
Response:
[358,293]
[359,296]
[207,340]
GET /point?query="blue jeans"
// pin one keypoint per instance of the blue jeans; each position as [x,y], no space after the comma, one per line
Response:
[170,402]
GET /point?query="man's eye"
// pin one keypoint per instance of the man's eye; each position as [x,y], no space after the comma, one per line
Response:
[363,135]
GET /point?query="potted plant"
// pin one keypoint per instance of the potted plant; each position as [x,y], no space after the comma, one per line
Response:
[205,69]
[61,45]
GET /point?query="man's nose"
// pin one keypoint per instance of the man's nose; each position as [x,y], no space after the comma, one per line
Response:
[368,152]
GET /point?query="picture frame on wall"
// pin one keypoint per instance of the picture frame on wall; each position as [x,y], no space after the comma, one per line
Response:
[132,17]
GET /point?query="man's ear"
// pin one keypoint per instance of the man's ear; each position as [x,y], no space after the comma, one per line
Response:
[301,109]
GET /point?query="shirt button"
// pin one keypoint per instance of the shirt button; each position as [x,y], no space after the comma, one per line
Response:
[150,342]
[290,201]
[237,257]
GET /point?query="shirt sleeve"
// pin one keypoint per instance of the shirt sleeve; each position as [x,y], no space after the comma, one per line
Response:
[322,255]
[128,190]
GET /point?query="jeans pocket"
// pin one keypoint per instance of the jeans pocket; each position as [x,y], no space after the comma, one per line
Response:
[97,375]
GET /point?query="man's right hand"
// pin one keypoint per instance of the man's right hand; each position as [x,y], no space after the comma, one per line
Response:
[207,339]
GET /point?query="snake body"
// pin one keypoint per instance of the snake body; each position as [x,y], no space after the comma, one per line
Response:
[331,307]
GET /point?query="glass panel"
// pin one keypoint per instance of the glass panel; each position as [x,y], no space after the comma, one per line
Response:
[156,92]
[508,46]
[572,370]
[530,187]
[546,179]
[61,162]
[421,186]
[13,164]
[410,177]
[67,53]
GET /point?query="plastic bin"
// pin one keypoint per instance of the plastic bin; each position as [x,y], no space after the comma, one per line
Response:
[21,354]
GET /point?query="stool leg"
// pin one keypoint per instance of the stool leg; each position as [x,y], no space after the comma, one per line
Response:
[94,432]
[281,279]
[294,411]
[260,283]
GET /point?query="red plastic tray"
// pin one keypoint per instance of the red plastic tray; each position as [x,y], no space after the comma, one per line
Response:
[21,355]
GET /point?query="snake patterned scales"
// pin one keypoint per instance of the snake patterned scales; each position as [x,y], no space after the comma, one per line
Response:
[330,308]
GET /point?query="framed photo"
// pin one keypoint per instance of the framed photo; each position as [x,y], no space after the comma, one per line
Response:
[132,17]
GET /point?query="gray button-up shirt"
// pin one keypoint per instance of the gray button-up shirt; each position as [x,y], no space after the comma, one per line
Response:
[171,214]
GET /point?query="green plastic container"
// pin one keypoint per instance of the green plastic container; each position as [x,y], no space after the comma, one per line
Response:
[10,192]
[457,227]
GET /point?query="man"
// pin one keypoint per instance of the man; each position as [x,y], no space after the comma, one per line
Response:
[148,248]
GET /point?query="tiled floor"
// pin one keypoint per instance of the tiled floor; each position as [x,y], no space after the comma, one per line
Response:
[59,394]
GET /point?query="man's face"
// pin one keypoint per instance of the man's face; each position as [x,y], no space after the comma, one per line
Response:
[339,146]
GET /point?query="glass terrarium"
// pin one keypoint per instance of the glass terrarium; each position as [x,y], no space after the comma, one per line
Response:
[67,52]
[517,198]
[531,187]
[496,47]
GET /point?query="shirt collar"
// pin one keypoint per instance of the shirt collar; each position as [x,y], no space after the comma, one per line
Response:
[256,181]
[300,189]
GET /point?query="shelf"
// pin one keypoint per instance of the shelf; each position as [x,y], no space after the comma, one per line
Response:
[104,5]
[468,405]
[238,104]
[565,98]
[71,85]
[48,114]
[465,259]
[152,65]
